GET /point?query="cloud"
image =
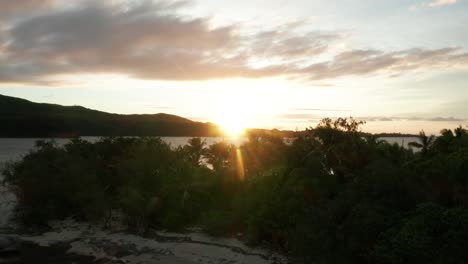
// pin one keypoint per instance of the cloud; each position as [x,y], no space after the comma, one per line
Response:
[319,110]
[442,2]
[147,40]
[140,40]
[316,117]
[10,8]
[366,62]
[435,3]
[285,44]
[153,40]
[429,119]
[447,119]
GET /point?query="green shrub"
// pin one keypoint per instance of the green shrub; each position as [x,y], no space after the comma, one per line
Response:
[430,234]
[332,196]
[217,223]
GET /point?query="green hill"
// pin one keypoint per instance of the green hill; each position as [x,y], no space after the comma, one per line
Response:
[22,118]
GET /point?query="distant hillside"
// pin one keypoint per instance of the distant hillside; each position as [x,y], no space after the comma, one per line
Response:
[22,118]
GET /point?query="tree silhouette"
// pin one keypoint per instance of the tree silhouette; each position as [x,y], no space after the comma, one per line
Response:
[425,142]
[194,150]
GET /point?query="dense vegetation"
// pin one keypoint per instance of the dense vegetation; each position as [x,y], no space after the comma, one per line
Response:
[329,196]
[22,118]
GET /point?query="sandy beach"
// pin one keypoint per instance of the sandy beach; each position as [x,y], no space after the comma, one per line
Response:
[72,242]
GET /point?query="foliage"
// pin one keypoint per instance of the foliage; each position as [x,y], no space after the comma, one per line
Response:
[330,196]
[429,234]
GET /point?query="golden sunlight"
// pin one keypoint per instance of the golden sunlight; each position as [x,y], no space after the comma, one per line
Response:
[242,104]
[240,164]
[233,123]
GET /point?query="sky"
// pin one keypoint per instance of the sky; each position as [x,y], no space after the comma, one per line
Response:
[399,65]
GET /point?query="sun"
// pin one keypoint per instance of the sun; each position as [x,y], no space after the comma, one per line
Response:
[240,104]
[233,123]
[233,129]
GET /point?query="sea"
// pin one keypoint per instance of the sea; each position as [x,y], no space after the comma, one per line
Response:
[12,149]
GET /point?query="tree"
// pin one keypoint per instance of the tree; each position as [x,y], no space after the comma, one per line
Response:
[194,150]
[219,155]
[459,132]
[425,142]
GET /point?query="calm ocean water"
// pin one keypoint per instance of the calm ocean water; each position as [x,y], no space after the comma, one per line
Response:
[14,148]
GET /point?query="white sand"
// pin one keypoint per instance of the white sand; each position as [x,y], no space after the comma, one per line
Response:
[91,241]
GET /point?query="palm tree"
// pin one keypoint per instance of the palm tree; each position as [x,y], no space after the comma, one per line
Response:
[194,149]
[373,140]
[425,142]
[459,132]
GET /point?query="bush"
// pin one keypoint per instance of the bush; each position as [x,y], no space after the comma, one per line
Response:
[332,196]
[430,234]
[217,223]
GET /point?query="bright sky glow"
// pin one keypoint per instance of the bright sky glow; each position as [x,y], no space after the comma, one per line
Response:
[400,65]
